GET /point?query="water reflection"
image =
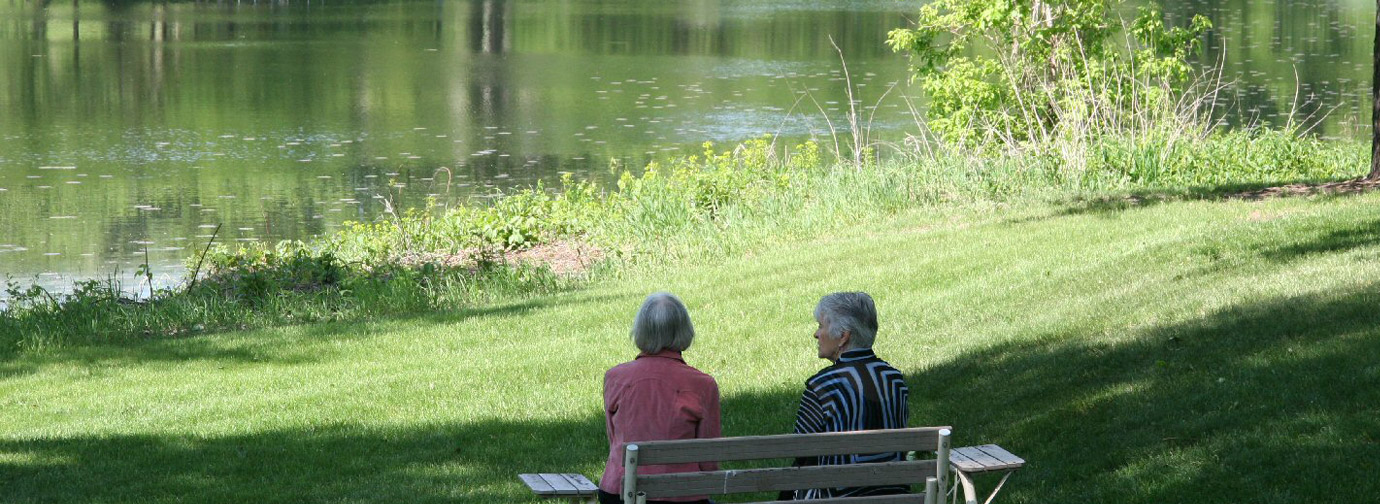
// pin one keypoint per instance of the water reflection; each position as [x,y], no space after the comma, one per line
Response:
[281,119]
[1305,61]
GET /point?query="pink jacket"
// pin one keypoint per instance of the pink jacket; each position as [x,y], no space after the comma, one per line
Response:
[657,397]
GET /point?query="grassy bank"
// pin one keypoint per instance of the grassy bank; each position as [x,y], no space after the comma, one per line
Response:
[705,207]
[1161,351]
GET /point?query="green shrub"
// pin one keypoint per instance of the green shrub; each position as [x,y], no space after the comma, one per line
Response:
[1011,72]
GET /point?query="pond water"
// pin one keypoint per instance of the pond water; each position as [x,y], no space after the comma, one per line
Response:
[134,129]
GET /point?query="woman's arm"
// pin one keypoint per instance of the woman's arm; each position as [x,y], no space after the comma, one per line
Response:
[710,426]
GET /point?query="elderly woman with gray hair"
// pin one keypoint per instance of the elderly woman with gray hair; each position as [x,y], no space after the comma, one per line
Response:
[657,395]
[859,391]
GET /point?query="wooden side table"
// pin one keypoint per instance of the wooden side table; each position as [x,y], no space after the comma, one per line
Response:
[575,487]
[990,458]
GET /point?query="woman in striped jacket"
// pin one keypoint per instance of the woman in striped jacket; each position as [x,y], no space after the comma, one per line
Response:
[859,391]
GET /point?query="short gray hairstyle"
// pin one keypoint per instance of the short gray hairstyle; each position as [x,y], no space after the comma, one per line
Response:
[849,311]
[662,323]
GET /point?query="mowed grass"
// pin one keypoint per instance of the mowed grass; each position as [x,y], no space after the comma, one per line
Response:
[1200,351]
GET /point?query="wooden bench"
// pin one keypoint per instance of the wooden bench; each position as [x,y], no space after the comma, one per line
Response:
[933,474]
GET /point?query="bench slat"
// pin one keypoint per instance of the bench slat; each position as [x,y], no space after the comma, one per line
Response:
[880,499]
[559,484]
[788,446]
[1001,454]
[787,478]
[538,485]
[988,462]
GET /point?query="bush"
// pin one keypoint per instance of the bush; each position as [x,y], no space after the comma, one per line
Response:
[1011,72]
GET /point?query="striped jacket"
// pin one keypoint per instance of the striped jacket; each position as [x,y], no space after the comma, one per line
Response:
[859,392]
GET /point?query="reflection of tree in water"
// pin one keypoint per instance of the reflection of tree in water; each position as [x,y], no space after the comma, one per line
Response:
[488,78]
[488,87]
[488,26]
[1265,44]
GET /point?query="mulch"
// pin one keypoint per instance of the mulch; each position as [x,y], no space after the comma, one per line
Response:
[1357,186]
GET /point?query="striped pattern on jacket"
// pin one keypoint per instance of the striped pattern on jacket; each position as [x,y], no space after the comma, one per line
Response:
[859,392]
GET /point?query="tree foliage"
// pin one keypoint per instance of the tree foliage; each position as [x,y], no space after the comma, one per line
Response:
[1021,70]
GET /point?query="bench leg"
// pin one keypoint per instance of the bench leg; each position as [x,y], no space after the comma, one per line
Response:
[969,492]
[970,495]
[1004,477]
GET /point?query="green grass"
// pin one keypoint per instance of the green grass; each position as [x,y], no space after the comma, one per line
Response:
[1172,351]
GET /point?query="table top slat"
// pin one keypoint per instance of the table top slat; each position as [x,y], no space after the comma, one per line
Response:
[559,484]
[1001,454]
[988,462]
[976,455]
[538,484]
[963,463]
[581,483]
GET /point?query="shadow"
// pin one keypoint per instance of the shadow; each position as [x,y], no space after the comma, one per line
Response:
[1246,404]
[293,344]
[1242,405]
[474,462]
[1364,234]
[330,463]
[1109,205]
[94,360]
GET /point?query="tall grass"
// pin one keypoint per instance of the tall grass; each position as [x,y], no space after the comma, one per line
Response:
[710,205]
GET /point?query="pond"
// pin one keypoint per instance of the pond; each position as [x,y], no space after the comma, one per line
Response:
[135,131]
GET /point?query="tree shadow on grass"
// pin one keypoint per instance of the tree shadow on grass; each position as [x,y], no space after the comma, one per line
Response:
[279,349]
[1358,235]
[336,463]
[1110,205]
[1267,402]
[474,462]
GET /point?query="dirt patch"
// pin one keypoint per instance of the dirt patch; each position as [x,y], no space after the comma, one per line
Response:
[561,257]
[566,257]
[1332,188]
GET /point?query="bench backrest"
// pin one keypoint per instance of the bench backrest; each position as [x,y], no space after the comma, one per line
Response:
[932,473]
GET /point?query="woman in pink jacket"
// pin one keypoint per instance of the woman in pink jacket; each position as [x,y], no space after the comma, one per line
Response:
[657,396]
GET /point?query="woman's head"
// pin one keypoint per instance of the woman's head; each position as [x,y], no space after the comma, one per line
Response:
[662,323]
[847,321]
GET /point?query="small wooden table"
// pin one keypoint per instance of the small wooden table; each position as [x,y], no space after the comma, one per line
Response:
[970,460]
[575,487]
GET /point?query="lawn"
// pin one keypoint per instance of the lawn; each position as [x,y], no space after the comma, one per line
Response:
[1190,351]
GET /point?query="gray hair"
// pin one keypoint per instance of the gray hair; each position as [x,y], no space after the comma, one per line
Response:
[662,323]
[849,311]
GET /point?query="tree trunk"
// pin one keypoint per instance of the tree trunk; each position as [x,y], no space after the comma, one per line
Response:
[1375,101]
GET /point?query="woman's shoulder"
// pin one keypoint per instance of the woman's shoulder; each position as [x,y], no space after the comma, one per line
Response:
[701,376]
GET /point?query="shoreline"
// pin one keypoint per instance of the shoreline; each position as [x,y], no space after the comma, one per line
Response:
[699,207]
